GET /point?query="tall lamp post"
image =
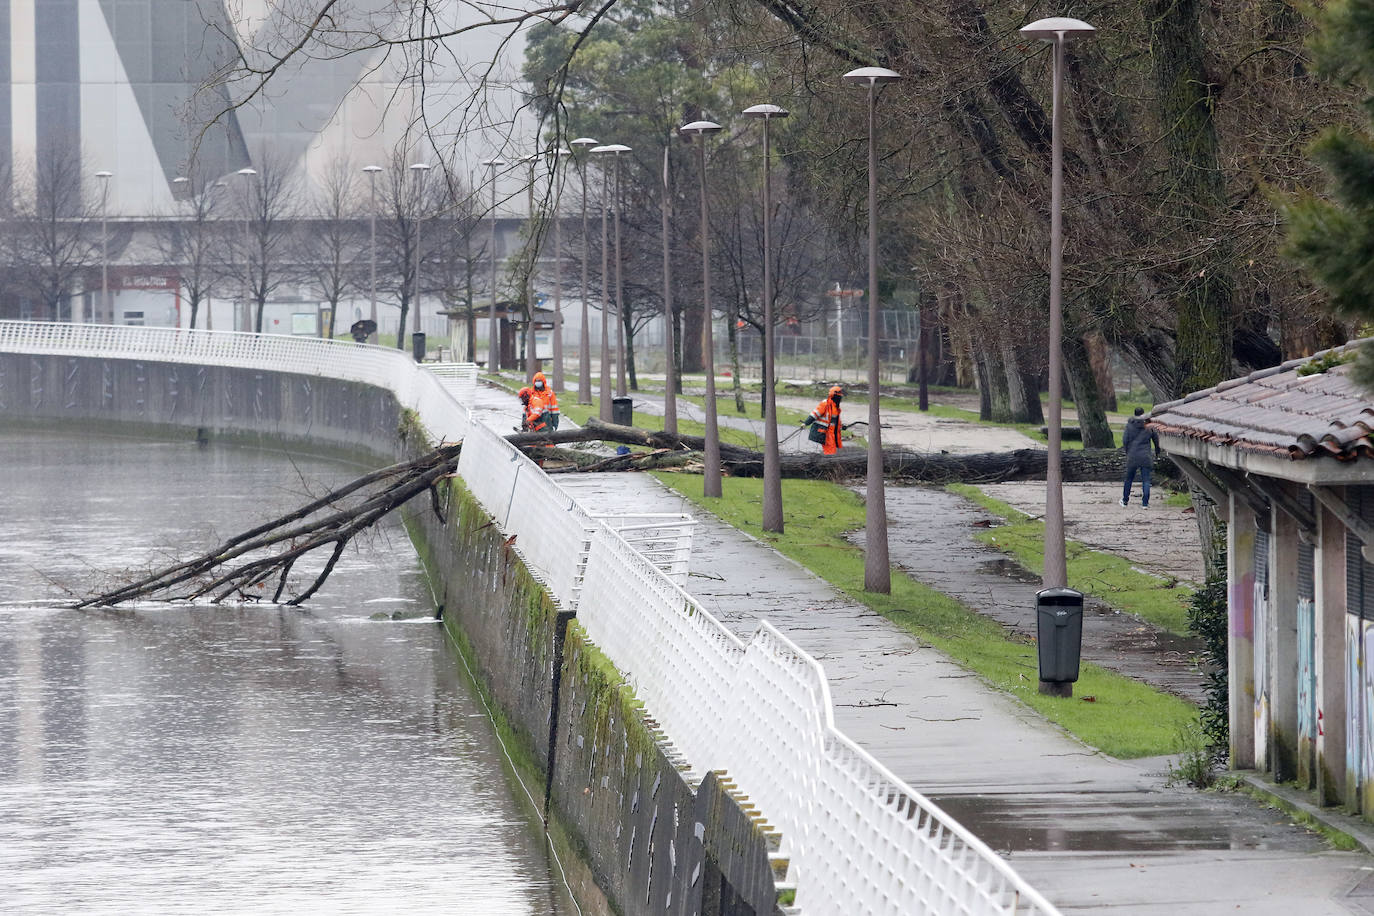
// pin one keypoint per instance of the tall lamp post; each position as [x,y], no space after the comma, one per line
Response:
[772,472]
[531,357]
[1056,30]
[584,352]
[493,326]
[106,307]
[614,150]
[557,179]
[669,331]
[620,391]
[877,569]
[371,172]
[418,169]
[1055,592]
[712,486]
[247,173]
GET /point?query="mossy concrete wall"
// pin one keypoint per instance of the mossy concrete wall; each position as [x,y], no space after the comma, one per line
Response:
[172,400]
[647,840]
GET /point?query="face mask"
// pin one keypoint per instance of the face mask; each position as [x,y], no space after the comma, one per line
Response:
[538,386]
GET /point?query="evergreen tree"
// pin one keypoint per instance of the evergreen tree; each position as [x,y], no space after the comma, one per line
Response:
[1333,236]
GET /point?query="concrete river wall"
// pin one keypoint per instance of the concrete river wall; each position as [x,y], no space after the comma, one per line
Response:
[633,834]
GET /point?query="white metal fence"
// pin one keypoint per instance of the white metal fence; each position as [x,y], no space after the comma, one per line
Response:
[858,839]
[384,367]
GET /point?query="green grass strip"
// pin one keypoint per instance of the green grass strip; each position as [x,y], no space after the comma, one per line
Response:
[1125,719]
[1112,579]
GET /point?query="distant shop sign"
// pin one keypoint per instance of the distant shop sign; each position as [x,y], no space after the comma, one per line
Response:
[144,280]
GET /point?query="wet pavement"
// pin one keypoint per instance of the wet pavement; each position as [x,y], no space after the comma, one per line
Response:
[1162,539]
[948,559]
[1089,831]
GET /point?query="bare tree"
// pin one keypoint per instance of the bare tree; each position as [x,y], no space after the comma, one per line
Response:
[190,241]
[457,254]
[262,249]
[55,242]
[334,242]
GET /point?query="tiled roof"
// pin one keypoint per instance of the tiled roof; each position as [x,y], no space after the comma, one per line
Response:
[1278,412]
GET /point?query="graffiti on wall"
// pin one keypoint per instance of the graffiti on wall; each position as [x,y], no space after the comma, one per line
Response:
[1260,649]
[1307,670]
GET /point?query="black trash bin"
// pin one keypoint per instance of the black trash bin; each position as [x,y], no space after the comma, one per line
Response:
[622,411]
[417,346]
[1059,638]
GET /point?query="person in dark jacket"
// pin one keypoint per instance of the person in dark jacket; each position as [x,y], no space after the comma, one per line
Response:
[1139,457]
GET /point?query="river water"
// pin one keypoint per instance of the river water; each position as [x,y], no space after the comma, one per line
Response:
[177,759]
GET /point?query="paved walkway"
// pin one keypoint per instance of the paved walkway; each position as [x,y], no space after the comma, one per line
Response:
[949,559]
[1091,832]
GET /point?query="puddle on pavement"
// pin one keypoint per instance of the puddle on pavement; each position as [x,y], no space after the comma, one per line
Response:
[1133,822]
[1008,569]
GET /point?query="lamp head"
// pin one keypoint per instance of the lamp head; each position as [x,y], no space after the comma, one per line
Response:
[616,148]
[420,167]
[699,129]
[103,174]
[584,142]
[1057,28]
[765,112]
[494,163]
[180,179]
[864,77]
[247,171]
[372,169]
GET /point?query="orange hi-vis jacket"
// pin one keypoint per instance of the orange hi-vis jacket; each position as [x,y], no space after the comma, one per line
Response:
[827,416]
[539,402]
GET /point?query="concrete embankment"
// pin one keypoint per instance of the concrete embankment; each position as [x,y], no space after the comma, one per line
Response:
[646,841]
[123,396]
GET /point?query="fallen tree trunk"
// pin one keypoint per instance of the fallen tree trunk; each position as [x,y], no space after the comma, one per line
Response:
[1079,465]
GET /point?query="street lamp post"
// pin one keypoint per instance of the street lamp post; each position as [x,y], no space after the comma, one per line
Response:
[772,472]
[105,305]
[877,569]
[557,179]
[247,266]
[614,149]
[669,331]
[531,357]
[620,391]
[418,169]
[371,172]
[1055,30]
[712,484]
[493,326]
[584,353]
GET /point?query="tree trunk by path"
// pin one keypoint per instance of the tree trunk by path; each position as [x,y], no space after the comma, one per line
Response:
[1096,465]
[1092,420]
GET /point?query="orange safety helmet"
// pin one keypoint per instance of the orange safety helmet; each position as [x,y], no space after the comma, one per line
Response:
[540,383]
[835,391]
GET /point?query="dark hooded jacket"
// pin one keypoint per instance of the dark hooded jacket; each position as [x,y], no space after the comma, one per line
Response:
[1137,441]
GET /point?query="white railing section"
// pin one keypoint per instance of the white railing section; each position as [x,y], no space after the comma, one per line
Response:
[443,415]
[552,532]
[664,539]
[459,379]
[858,839]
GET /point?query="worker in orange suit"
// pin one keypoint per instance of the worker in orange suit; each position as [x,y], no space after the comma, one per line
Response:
[825,421]
[541,409]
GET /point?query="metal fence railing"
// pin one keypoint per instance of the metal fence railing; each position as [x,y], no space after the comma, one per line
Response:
[858,839]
